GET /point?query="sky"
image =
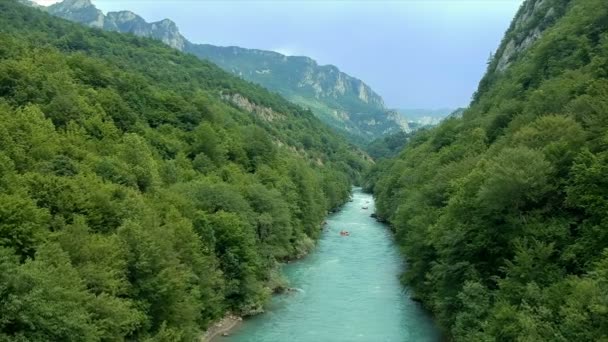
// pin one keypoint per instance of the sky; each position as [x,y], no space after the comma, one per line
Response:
[414,53]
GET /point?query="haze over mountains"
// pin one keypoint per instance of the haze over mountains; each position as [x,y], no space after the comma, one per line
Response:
[424,117]
[340,100]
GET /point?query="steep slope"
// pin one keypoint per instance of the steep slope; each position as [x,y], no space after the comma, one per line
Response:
[144,193]
[456,113]
[342,101]
[84,12]
[532,19]
[503,212]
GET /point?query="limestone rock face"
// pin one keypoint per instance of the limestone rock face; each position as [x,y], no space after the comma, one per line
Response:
[340,100]
[129,22]
[82,11]
[532,19]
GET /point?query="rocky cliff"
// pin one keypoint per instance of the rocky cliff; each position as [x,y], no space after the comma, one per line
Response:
[83,11]
[340,100]
[531,21]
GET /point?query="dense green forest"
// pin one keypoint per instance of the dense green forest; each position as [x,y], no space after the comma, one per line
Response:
[143,192]
[503,213]
[387,146]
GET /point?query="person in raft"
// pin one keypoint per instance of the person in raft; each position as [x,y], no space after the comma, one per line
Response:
[344,233]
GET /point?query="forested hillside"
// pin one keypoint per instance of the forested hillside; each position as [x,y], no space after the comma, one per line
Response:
[503,213]
[143,192]
[388,146]
[340,100]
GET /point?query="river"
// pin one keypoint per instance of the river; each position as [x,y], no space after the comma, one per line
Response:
[348,289]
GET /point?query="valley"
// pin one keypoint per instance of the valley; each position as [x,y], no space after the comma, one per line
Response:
[339,100]
[156,189]
[348,289]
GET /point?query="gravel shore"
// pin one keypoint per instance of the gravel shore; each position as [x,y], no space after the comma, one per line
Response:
[221,327]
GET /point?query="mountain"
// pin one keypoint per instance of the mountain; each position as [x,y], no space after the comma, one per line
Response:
[391,145]
[532,19]
[503,212]
[339,100]
[84,12]
[457,113]
[146,193]
[423,116]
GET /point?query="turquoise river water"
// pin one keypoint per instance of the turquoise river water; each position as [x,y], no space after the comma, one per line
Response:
[348,289]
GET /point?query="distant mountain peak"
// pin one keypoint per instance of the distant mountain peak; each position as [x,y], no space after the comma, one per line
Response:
[76,4]
[338,99]
[530,23]
[123,16]
[168,23]
[83,11]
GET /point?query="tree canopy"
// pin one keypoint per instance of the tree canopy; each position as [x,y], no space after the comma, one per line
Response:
[502,214]
[143,192]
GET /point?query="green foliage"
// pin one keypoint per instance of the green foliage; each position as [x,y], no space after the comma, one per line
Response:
[137,202]
[338,99]
[502,213]
[388,146]
[333,96]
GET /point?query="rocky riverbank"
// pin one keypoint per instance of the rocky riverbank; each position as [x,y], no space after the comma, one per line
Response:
[221,328]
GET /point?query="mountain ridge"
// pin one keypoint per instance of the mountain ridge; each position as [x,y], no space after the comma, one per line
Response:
[338,99]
